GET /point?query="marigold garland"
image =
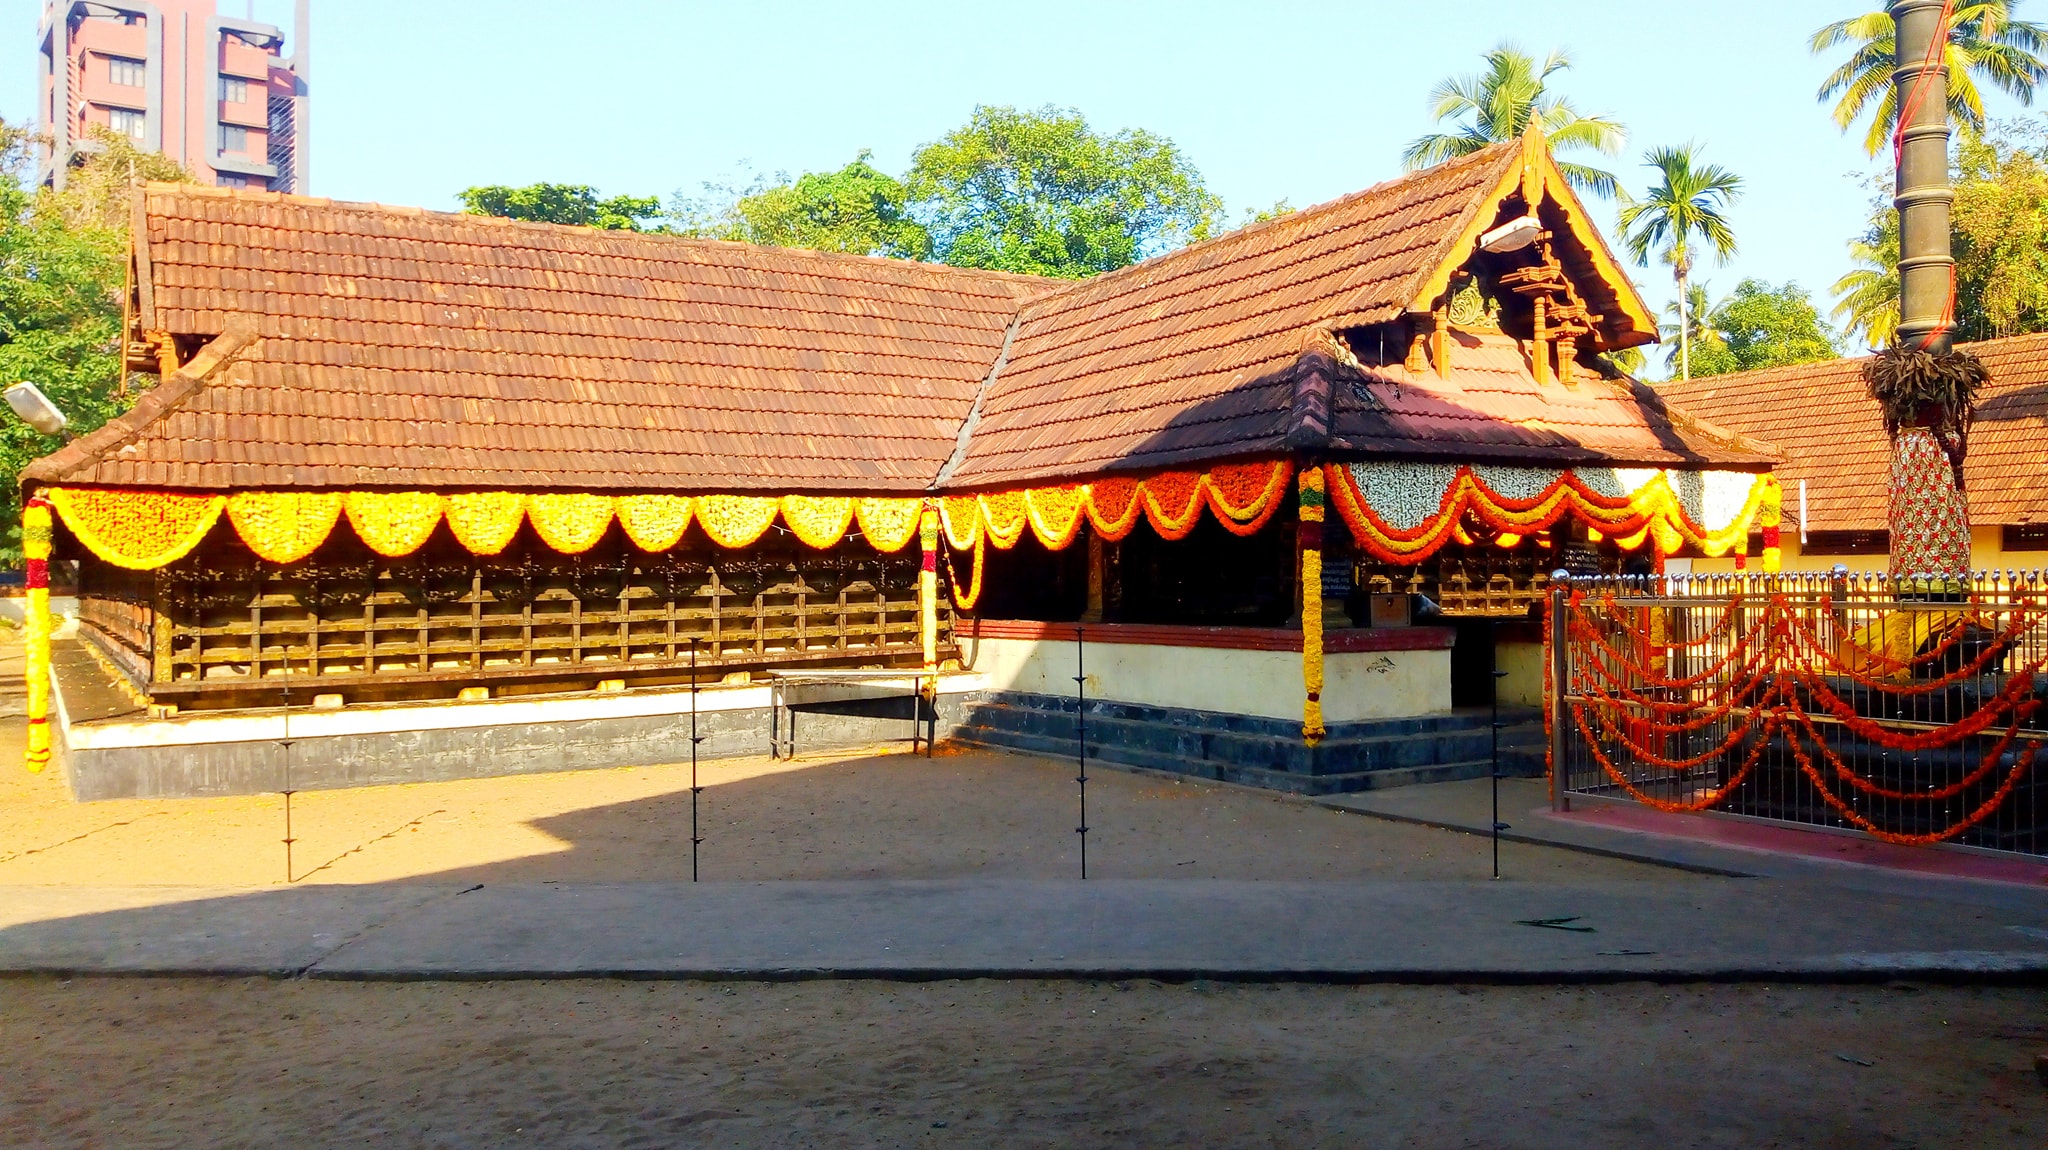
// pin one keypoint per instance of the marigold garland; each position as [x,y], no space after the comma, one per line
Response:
[1311,508]
[928,586]
[1003,517]
[654,523]
[1173,502]
[1244,497]
[1055,513]
[736,520]
[888,524]
[37,529]
[394,523]
[1113,507]
[965,600]
[820,521]
[961,517]
[485,522]
[284,526]
[139,530]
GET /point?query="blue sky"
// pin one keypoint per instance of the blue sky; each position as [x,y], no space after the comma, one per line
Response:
[417,99]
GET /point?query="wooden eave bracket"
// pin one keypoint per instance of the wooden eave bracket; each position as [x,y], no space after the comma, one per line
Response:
[156,404]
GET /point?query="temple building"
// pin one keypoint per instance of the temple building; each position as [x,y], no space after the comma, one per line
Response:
[424,495]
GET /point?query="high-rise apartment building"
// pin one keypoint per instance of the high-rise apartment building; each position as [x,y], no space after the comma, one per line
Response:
[215,93]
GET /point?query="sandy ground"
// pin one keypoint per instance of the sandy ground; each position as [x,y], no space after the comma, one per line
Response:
[885,814]
[568,1064]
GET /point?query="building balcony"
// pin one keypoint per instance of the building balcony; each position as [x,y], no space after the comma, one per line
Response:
[110,38]
[238,59]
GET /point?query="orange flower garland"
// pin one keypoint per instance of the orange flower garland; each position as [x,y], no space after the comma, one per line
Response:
[140,530]
[1173,502]
[1055,513]
[960,517]
[1003,515]
[571,524]
[1245,496]
[484,522]
[819,520]
[1113,507]
[284,526]
[888,524]
[654,522]
[736,520]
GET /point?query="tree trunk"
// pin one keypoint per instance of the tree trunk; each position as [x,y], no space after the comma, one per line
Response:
[1681,268]
[1928,513]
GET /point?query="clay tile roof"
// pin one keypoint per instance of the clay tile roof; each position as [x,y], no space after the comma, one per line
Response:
[386,347]
[1829,431]
[409,348]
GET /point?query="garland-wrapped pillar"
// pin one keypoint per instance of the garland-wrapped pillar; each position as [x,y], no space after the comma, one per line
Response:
[1770,514]
[1311,543]
[928,588]
[35,547]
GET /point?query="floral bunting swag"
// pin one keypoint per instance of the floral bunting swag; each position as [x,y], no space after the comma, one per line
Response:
[284,526]
[485,522]
[140,530]
[571,524]
[394,523]
[888,524]
[1402,512]
[1242,496]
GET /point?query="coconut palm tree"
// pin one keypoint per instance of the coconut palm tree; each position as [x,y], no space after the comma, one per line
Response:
[1689,203]
[1985,44]
[1689,320]
[1501,102]
[1867,298]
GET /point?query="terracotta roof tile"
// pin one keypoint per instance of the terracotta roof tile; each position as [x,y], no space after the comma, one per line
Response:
[397,347]
[1832,437]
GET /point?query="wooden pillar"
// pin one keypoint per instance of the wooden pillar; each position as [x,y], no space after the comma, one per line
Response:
[1440,341]
[1098,577]
[1539,351]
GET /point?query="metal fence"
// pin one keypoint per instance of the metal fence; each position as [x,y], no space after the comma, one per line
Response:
[1832,700]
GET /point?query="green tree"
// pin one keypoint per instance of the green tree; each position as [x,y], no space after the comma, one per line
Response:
[63,261]
[1690,202]
[857,209]
[1039,191]
[562,204]
[1985,44]
[1501,102]
[1762,326]
[1694,313]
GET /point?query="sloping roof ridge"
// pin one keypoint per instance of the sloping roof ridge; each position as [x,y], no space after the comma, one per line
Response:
[154,406]
[372,207]
[1997,345]
[1299,218]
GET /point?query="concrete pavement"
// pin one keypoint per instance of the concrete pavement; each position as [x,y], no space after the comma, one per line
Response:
[1692,929]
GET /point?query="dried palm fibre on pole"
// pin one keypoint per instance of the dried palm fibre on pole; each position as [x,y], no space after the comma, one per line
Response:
[1926,388]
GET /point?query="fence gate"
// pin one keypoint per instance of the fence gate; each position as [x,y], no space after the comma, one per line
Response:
[1825,699]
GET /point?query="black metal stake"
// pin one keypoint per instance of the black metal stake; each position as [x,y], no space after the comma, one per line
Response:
[285,742]
[1081,740]
[695,738]
[1498,826]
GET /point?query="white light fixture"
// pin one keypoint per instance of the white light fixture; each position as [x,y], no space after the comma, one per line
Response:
[1513,235]
[35,408]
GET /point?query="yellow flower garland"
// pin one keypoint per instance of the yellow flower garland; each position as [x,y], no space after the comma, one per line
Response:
[1003,516]
[818,520]
[1055,513]
[571,524]
[484,522]
[961,516]
[36,531]
[655,522]
[736,520]
[889,524]
[394,523]
[1173,502]
[928,588]
[139,530]
[284,526]
[1312,490]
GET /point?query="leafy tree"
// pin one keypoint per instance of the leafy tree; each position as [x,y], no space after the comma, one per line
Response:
[1985,44]
[1690,202]
[562,204]
[1760,326]
[857,209]
[1998,232]
[1501,102]
[1694,313]
[63,261]
[1260,215]
[1041,192]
